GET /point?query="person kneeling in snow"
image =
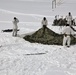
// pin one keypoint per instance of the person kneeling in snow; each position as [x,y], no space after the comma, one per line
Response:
[67,32]
[15,27]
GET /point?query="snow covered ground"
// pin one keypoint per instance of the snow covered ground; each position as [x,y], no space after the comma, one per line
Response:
[20,57]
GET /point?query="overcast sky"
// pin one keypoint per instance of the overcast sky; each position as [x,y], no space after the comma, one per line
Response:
[25,0]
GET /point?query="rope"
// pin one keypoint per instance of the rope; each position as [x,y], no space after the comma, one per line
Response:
[73,28]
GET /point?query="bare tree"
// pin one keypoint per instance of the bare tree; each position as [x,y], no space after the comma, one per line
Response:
[56,3]
[53,4]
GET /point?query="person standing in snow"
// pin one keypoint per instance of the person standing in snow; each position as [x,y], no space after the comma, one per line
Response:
[44,23]
[15,27]
[69,18]
[67,32]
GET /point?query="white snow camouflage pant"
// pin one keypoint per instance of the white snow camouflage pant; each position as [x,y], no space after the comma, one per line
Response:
[14,32]
[66,40]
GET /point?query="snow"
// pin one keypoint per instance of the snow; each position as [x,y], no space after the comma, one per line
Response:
[20,57]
